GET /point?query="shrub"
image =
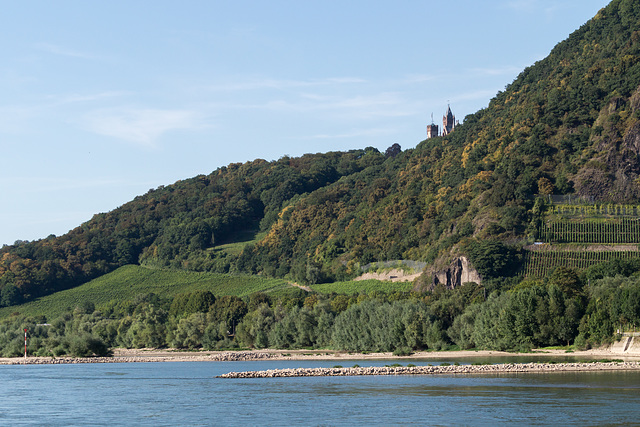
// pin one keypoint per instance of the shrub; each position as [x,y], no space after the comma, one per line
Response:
[402,351]
[87,345]
[493,258]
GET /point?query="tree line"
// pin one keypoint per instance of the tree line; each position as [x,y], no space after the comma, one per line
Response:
[565,309]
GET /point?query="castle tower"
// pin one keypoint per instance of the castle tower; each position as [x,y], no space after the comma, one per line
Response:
[448,122]
[432,129]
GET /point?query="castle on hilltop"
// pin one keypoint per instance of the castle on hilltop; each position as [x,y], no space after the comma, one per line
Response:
[449,123]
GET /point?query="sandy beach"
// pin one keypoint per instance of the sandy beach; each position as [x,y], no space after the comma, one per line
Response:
[170,355]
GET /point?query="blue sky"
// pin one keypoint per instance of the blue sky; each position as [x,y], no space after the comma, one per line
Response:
[103,100]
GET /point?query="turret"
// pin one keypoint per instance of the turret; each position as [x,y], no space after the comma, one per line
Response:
[448,122]
[432,129]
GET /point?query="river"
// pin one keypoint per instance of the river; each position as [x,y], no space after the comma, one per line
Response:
[187,393]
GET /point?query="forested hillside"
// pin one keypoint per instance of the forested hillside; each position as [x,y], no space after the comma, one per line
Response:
[569,124]
[172,226]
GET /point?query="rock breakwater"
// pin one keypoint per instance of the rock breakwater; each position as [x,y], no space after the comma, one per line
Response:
[435,370]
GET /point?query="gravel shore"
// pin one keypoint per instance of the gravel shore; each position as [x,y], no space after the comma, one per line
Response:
[121,355]
[231,356]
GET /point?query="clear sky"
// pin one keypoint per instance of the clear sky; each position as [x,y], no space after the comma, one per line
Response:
[103,100]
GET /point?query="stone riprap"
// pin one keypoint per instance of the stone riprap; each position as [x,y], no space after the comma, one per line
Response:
[434,370]
[231,356]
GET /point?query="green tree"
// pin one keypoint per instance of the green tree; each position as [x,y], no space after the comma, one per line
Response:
[229,310]
[254,329]
[148,328]
[85,345]
[188,332]
[10,295]
[493,258]
[567,280]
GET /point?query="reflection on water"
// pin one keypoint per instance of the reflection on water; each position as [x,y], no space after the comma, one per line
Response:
[187,393]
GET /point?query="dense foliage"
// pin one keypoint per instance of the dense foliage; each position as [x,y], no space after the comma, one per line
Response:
[565,309]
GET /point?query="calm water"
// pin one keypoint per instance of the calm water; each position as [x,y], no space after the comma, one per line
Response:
[186,393]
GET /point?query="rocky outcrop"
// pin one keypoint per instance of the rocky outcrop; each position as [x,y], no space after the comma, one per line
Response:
[395,275]
[457,273]
[612,174]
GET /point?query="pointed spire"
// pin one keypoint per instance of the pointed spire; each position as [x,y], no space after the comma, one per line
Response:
[448,121]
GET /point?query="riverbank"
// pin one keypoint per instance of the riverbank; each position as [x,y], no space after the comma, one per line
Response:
[502,368]
[144,356]
[170,355]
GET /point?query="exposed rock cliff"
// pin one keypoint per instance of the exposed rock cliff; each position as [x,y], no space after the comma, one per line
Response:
[460,271]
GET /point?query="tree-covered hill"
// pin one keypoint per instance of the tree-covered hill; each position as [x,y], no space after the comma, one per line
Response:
[172,226]
[569,124]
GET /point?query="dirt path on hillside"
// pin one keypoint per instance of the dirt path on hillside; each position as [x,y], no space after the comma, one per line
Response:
[304,288]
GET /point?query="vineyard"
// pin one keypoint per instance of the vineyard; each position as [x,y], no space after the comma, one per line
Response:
[541,263]
[129,281]
[584,224]
[608,231]
[596,210]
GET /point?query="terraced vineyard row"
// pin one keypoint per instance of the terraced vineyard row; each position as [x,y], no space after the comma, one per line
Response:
[541,263]
[609,231]
[596,210]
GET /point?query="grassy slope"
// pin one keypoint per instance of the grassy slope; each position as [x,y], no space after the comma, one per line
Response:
[356,287]
[239,241]
[131,280]
[128,281]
